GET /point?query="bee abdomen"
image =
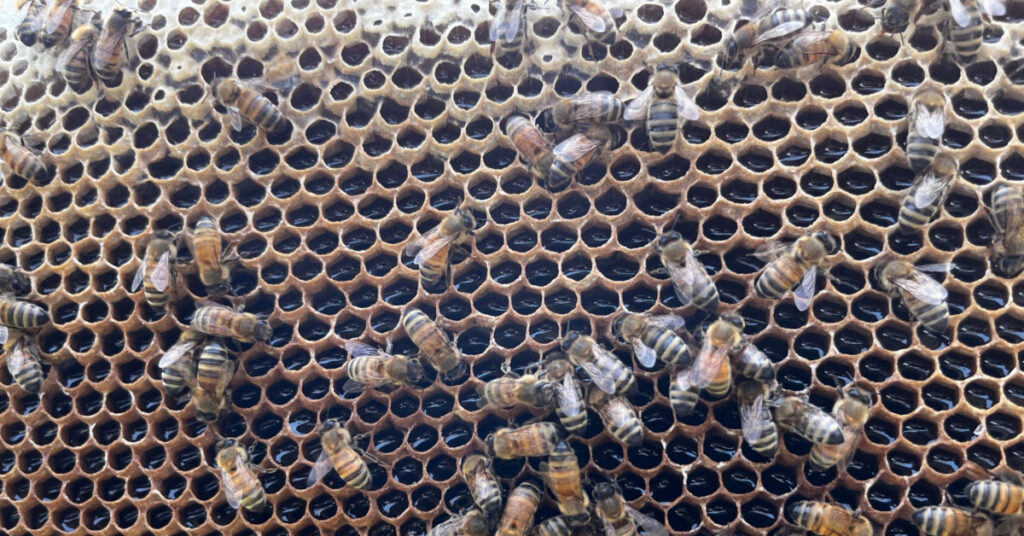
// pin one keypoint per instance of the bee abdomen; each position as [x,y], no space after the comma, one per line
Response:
[998,497]
[823,429]
[560,175]
[575,423]
[769,440]
[20,314]
[629,432]
[913,218]
[352,469]
[921,151]
[941,521]
[667,346]
[777,278]
[822,457]
[662,124]
[706,295]
[683,400]
[30,377]
[254,500]
[933,316]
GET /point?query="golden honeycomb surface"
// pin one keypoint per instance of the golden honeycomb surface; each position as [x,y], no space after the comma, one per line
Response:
[396,112]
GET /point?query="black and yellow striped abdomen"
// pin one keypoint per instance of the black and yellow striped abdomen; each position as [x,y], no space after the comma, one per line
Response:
[921,150]
[779,276]
[258,109]
[934,317]
[667,345]
[19,314]
[351,468]
[662,124]
[997,497]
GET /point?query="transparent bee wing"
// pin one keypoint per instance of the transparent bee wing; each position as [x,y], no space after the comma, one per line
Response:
[960,13]
[599,374]
[54,19]
[514,21]
[576,148]
[853,441]
[681,283]
[804,293]
[929,122]
[683,379]
[644,354]
[359,349]
[615,12]
[782,30]
[994,8]
[176,352]
[231,493]
[609,529]
[140,274]
[320,468]
[938,267]
[16,359]
[672,322]
[4,334]
[352,387]
[589,108]
[235,117]
[620,412]
[930,189]
[708,363]
[637,109]
[65,57]
[161,276]
[751,419]
[450,527]
[224,380]
[772,250]
[569,399]
[923,288]
[499,22]
[687,108]
[647,524]
[593,21]
[765,9]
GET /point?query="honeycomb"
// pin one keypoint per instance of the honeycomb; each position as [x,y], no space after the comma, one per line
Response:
[396,112]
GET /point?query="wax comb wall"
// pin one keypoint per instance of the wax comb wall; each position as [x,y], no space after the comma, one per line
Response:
[395,111]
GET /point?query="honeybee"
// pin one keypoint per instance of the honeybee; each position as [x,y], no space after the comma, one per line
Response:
[621,519]
[924,297]
[927,194]
[371,367]
[769,22]
[535,439]
[73,63]
[23,361]
[220,321]
[13,280]
[759,430]
[22,160]
[177,365]
[947,521]
[618,416]
[473,522]
[57,23]
[241,486]
[1006,209]
[662,104]
[851,412]
[108,55]
[514,45]
[562,475]
[531,143]
[690,281]
[213,374]
[434,248]
[244,100]
[338,450]
[1002,497]
[683,394]
[433,342]
[598,18]
[603,368]
[792,263]
[752,363]
[576,152]
[28,28]
[20,315]
[712,370]
[508,20]
[590,107]
[519,510]
[508,392]
[810,47]
[794,415]
[206,248]
[483,486]
[829,520]
[553,526]
[570,409]
[653,337]
[158,265]
[926,122]
[966,27]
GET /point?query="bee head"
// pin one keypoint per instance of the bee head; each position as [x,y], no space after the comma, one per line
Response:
[468,220]
[163,234]
[224,90]
[225,443]
[262,331]
[617,325]
[860,395]
[604,490]
[666,239]
[733,319]
[895,19]
[569,339]
[829,242]
[1009,265]
[20,283]
[489,443]
[545,393]
[414,370]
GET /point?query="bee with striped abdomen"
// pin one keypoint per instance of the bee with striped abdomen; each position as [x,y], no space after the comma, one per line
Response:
[22,160]
[338,450]
[531,144]
[621,519]
[569,408]
[512,391]
[965,28]
[535,439]
[576,152]
[553,526]
[20,315]
[73,63]
[770,22]
[811,47]
[156,272]
[210,259]
[483,486]
[371,367]
[1004,497]
[244,100]
[56,24]
[590,107]
[23,361]
[926,121]
[711,370]
[177,365]
[759,430]
[507,47]
[213,374]
[596,17]
[797,416]
[948,521]
[519,510]
[220,321]
[108,54]
[237,472]
[1006,209]
[690,280]
[924,297]
[604,369]
[472,522]
[14,281]
[434,248]
[28,29]
[851,412]
[926,194]
[433,342]
[752,363]
[829,520]
[663,104]
[683,394]
[653,337]
[793,263]
[618,416]
[562,474]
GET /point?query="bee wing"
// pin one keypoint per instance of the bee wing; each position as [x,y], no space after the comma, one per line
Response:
[804,293]
[576,148]
[514,19]
[644,354]
[994,8]
[930,189]
[587,109]
[751,418]
[637,109]
[231,493]
[772,250]
[767,8]
[65,57]
[682,283]
[320,468]
[140,274]
[779,31]
[16,359]
[923,288]
[56,16]
[938,267]
[235,117]
[687,108]
[352,387]
[843,462]
[960,13]
[709,361]
[4,334]
[601,371]
[569,400]
[360,349]
[593,21]
[161,276]
[647,524]
[672,322]
[929,122]
[176,352]
[450,527]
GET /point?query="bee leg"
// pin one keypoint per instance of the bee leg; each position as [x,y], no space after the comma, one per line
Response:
[230,254]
